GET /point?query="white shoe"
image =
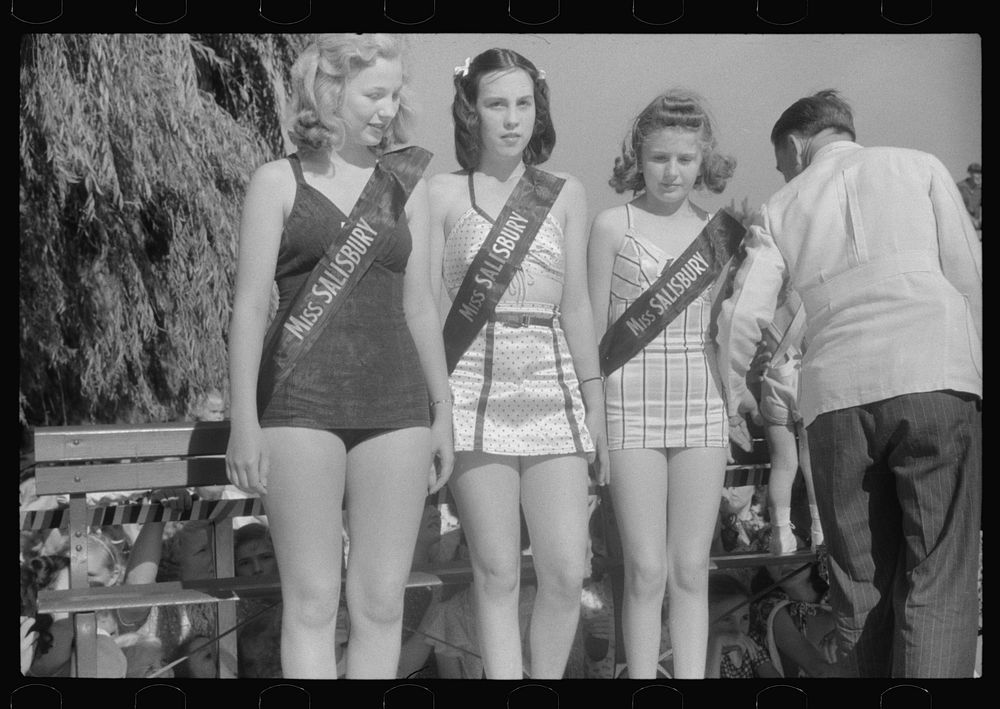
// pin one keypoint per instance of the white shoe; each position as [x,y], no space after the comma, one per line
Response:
[783,540]
[816,536]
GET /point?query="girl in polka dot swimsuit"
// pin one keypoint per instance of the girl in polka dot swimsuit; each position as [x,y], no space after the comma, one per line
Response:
[528,406]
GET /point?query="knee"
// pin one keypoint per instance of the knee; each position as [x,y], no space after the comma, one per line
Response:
[378,605]
[689,575]
[646,576]
[495,577]
[563,580]
[312,606]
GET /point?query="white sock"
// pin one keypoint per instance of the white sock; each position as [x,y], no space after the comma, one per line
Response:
[814,513]
[781,516]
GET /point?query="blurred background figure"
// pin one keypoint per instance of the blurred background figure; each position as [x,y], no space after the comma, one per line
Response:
[971,189]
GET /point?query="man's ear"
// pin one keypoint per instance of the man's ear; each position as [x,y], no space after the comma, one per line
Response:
[796,146]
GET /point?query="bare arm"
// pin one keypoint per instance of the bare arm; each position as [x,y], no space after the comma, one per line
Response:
[744,315]
[439,198]
[421,309]
[260,236]
[143,564]
[605,241]
[578,320]
[791,642]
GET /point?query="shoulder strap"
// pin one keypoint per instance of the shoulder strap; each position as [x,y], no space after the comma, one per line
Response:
[472,190]
[296,164]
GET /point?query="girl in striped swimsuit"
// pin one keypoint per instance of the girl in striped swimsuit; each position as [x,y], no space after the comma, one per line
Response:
[667,422]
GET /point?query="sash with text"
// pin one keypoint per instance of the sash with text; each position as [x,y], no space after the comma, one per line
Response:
[498,259]
[676,288]
[349,255]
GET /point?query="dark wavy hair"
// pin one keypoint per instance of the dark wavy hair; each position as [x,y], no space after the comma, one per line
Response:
[763,578]
[463,108]
[809,115]
[676,108]
[318,77]
[38,573]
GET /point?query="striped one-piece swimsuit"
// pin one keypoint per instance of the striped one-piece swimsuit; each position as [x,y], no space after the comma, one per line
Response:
[515,388]
[667,395]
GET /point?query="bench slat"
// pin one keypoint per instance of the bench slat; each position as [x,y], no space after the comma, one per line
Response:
[166,593]
[140,513]
[196,472]
[78,443]
[109,477]
[740,475]
[742,559]
[172,593]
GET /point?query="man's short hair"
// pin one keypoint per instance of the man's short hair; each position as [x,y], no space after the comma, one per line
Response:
[809,115]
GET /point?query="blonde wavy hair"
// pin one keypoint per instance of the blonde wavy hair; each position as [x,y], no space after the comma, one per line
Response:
[312,116]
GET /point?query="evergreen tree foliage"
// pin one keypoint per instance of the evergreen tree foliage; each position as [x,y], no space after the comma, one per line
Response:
[135,152]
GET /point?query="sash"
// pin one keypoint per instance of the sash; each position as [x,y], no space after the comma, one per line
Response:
[498,258]
[350,253]
[786,328]
[675,289]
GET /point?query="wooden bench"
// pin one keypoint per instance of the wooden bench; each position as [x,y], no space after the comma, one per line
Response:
[81,460]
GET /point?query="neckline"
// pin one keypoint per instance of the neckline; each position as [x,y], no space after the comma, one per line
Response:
[633,232]
[300,178]
[472,194]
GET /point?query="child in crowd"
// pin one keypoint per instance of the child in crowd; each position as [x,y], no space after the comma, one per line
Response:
[794,621]
[175,551]
[732,652]
[783,429]
[47,641]
[258,642]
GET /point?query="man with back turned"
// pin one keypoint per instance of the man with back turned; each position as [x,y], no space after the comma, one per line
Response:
[879,245]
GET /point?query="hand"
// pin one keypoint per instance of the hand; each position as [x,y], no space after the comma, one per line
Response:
[247,460]
[748,405]
[28,639]
[735,643]
[599,459]
[739,433]
[175,498]
[442,449]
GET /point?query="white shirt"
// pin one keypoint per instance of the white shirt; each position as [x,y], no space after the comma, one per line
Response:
[879,245]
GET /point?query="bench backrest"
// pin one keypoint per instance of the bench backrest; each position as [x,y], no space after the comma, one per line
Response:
[81,459]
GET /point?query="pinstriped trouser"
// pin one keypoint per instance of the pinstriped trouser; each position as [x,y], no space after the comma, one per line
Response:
[899,488]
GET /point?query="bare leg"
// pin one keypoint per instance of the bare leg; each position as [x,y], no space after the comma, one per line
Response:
[695,488]
[554,498]
[487,490]
[639,493]
[816,532]
[784,464]
[386,487]
[305,489]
